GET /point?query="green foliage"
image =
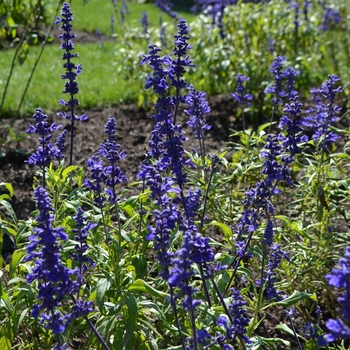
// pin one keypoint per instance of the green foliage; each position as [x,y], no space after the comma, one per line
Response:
[21,14]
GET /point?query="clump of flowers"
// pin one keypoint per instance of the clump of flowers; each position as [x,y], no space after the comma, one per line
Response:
[55,279]
[325,112]
[198,107]
[46,152]
[340,278]
[105,173]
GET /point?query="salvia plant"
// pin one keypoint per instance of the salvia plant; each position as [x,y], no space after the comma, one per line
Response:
[204,249]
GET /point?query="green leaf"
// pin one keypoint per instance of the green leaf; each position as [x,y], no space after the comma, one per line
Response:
[9,187]
[141,286]
[310,345]
[10,210]
[6,337]
[17,257]
[3,294]
[224,228]
[284,328]
[68,170]
[273,341]
[339,155]
[295,298]
[103,286]
[131,303]
[149,306]
[5,304]
[284,218]
[18,320]
[262,127]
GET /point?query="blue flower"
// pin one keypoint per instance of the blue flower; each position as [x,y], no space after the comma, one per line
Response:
[106,176]
[325,113]
[276,69]
[80,236]
[72,70]
[222,321]
[181,60]
[330,18]
[290,73]
[198,107]
[240,321]
[55,279]
[338,330]
[95,181]
[293,126]
[158,80]
[61,139]
[165,6]
[144,23]
[268,234]
[275,259]
[340,278]
[240,96]
[314,332]
[46,151]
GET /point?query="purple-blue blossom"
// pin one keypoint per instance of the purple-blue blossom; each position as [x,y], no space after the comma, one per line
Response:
[55,279]
[72,70]
[81,233]
[314,332]
[340,278]
[181,61]
[276,89]
[46,151]
[293,128]
[105,173]
[60,144]
[166,6]
[337,329]
[275,258]
[325,112]
[144,23]
[268,233]
[290,73]
[240,321]
[198,107]
[272,167]
[331,17]
[239,95]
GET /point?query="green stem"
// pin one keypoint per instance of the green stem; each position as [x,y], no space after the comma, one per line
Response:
[15,56]
[38,58]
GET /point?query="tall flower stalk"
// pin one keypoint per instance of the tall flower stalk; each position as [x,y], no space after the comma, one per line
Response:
[241,97]
[46,152]
[72,71]
[106,175]
[164,173]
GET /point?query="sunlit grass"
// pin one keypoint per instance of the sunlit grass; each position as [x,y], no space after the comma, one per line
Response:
[96,14]
[99,82]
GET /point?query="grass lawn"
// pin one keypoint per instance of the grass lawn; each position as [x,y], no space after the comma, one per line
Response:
[87,19]
[99,82]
